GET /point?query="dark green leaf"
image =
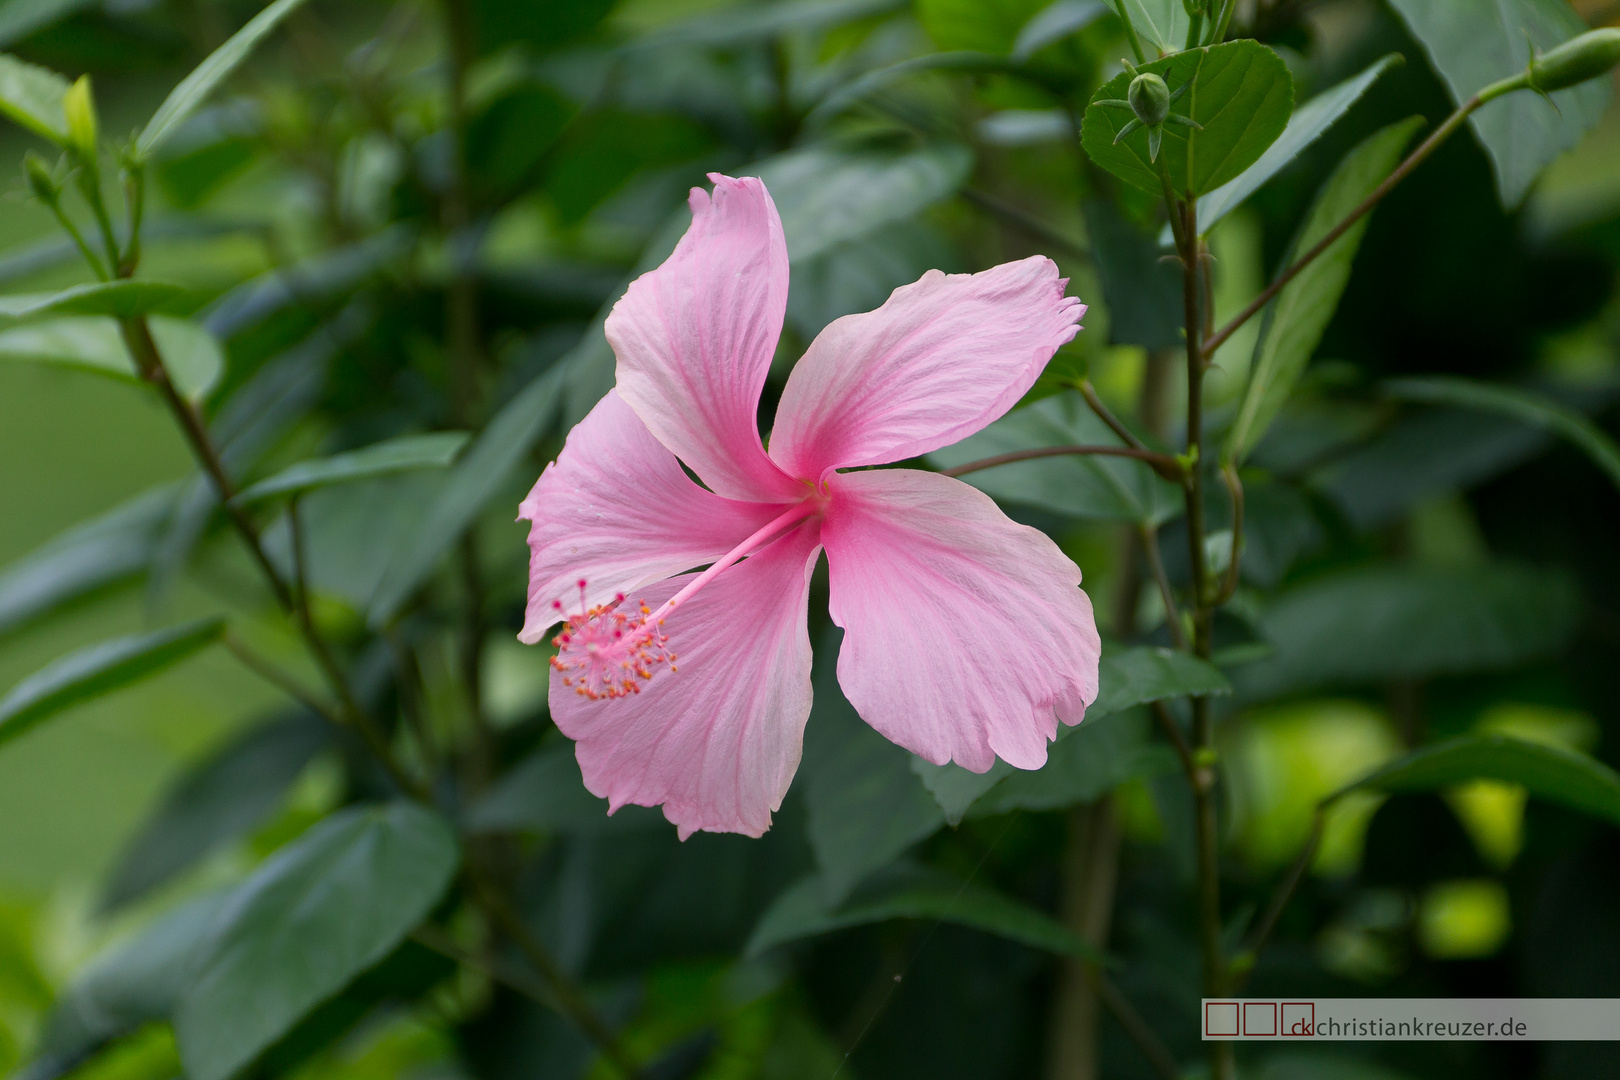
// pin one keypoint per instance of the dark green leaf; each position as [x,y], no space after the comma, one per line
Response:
[1394,622]
[987,26]
[116,298]
[762,22]
[98,553]
[1083,486]
[133,984]
[1241,93]
[1472,44]
[913,893]
[223,797]
[1055,22]
[32,95]
[966,61]
[1095,758]
[1307,125]
[1549,772]
[1296,319]
[191,354]
[21,18]
[1142,290]
[319,912]
[1529,408]
[408,453]
[546,793]
[1126,678]
[97,670]
[194,89]
[866,807]
[480,473]
[859,274]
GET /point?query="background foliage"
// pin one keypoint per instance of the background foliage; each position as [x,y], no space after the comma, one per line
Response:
[392,235]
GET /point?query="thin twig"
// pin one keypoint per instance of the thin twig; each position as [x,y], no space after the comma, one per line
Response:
[1172,732]
[490,966]
[1131,1022]
[1161,463]
[1024,220]
[1413,160]
[278,678]
[1243,962]
[1106,415]
[1172,614]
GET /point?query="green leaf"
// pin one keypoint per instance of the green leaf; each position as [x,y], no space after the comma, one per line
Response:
[1241,93]
[20,18]
[192,355]
[194,89]
[1522,405]
[762,22]
[866,807]
[408,453]
[1308,124]
[967,61]
[1086,486]
[120,299]
[1126,678]
[546,793]
[1161,24]
[32,96]
[1379,623]
[91,556]
[131,985]
[97,670]
[229,793]
[1054,22]
[1297,317]
[1473,44]
[312,917]
[907,892]
[1142,289]
[988,26]
[1553,773]
[480,473]
[1094,759]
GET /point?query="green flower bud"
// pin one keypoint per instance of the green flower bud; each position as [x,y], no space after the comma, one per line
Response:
[81,118]
[1149,98]
[40,180]
[1576,60]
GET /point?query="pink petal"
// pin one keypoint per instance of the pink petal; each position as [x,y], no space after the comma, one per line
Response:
[939,360]
[717,741]
[966,636]
[695,337]
[616,509]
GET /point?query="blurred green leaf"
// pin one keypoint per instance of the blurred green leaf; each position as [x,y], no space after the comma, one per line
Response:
[752,23]
[546,793]
[1161,24]
[224,796]
[966,61]
[1308,124]
[866,807]
[1296,319]
[407,453]
[1094,759]
[540,24]
[1562,776]
[133,984]
[88,557]
[1472,44]
[191,354]
[1241,93]
[97,670]
[477,476]
[602,149]
[119,299]
[309,920]
[1522,405]
[906,892]
[1378,623]
[988,26]
[21,18]
[32,96]
[508,139]
[1142,290]
[1083,486]
[194,89]
[1054,22]
[859,274]
[1105,754]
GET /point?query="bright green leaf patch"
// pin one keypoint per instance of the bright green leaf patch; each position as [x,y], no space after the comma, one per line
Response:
[408,453]
[1240,92]
[32,96]
[120,299]
[1296,319]
[97,670]
[308,921]
[192,356]
[905,892]
[1561,776]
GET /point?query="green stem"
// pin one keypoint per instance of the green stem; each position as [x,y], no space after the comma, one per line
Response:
[1219,33]
[1413,160]
[78,238]
[1172,615]
[1130,32]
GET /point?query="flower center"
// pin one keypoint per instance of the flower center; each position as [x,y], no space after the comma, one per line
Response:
[606,652]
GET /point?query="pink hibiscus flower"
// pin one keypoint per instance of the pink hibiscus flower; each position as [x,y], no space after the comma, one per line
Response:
[966,636]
